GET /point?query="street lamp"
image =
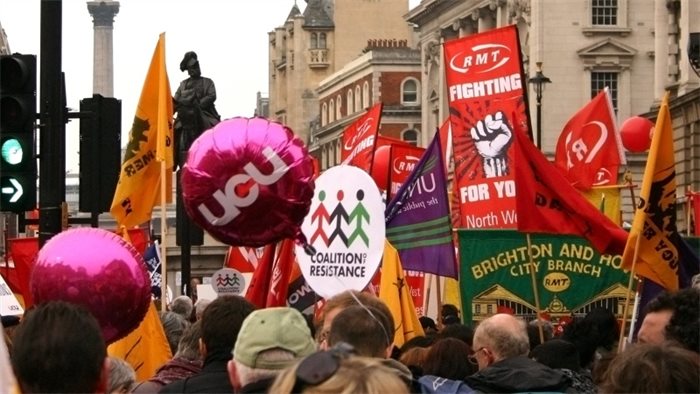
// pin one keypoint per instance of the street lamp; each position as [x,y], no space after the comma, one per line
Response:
[538,81]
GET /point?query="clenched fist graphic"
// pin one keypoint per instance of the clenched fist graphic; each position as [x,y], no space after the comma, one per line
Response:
[492,136]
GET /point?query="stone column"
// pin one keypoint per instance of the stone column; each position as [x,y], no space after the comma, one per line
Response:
[103,13]
[660,48]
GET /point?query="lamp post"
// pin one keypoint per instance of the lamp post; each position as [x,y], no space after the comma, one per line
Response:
[538,81]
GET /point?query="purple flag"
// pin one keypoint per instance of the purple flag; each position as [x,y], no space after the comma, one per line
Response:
[418,218]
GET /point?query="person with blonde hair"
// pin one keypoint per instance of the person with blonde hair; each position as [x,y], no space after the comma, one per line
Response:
[121,376]
[338,371]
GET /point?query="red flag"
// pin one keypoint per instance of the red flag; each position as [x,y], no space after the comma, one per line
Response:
[23,252]
[244,258]
[547,203]
[260,282]
[360,137]
[695,202]
[281,273]
[588,150]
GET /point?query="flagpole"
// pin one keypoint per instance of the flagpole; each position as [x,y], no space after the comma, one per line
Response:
[426,302]
[163,242]
[536,292]
[439,293]
[635,312]
[620,345]
[688,199]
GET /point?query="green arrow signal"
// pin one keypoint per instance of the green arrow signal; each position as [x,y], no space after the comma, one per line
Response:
[16,192]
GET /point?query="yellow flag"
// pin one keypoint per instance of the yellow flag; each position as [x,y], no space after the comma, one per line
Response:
[654,229]
[607,200]
[451,293]
[150,144]
[395,293]
[146,348]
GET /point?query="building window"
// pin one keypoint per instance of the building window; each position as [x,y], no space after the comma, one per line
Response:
[600,80]
[331,111]
[322,40]
[349,102]
[365,95]
[410,136]
[324,114]
[604,12]
[338,105]
[314,41]
[409,91]
[358,98]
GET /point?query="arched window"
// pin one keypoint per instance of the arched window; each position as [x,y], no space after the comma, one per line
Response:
[314,41]
[324,114]
[349,102]
[358,98]
[410,136]
[365,95]
[322,40]
[338,105]
[409,92]
[331,111]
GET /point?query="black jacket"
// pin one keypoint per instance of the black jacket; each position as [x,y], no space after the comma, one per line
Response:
[212,379]
[518,374]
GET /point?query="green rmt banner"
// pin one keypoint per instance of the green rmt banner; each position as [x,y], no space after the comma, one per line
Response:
[572,278]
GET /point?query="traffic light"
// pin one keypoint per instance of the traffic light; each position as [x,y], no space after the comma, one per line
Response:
[18,169]
[100,152]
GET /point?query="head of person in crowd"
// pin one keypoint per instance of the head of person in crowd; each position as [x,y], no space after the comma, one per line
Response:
[449,314]
[333,371]
[499,337]
[183,306]
[652,368]
[364,327]
[188,347]
[270,340]
[337,303]
[695,281]
[200,306]
[59,347]
[533,331]
[562,355]
[428,324]
[459,331]
[449,358]
[598,332]
[673,316]
[501,346]
[174,325]
[414,360]
[419,341]
[121,376]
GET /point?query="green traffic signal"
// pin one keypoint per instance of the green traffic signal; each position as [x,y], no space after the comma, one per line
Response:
[11,151]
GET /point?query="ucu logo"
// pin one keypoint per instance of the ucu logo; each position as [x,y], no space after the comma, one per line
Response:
[231,202]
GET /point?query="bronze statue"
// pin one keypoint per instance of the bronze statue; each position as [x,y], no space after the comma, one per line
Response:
[194,105]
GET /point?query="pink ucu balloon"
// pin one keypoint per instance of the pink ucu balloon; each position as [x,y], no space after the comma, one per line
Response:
[248,182]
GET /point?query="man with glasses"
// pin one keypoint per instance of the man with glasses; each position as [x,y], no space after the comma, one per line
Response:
[501,346]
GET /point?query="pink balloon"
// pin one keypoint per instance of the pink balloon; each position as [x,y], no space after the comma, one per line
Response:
[96,269]
[636,134]
[248,182]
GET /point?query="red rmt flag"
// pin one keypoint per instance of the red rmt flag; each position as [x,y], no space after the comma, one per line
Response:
[547,203]
[360,138]
[588,150]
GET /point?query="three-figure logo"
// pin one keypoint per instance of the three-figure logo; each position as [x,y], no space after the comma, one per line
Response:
[227,281]
[346,227]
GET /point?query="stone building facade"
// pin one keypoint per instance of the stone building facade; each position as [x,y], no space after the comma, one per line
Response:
[388,72]
[310,46]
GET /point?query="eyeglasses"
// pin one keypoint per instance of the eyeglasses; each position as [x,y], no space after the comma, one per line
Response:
[320,366]
[472,357]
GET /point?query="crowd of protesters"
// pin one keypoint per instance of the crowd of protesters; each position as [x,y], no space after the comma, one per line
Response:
[227,346]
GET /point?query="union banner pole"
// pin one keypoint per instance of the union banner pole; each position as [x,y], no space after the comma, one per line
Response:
[621,344]
[535,291]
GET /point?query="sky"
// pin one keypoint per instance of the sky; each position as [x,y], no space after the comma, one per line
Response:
[229,36]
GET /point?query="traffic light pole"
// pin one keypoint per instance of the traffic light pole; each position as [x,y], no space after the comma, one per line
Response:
[52,184]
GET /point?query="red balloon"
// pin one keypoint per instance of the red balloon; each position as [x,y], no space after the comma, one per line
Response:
[96,269]
[248,182]
[380,166]
[636,134]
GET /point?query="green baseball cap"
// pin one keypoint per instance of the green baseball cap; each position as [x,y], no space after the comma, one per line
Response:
[273,328]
